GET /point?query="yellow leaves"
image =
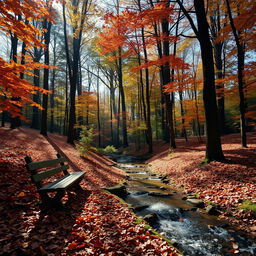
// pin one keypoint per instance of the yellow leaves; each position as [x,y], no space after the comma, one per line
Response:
[186,43]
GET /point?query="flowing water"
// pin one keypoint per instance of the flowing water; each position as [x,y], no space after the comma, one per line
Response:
[192,232]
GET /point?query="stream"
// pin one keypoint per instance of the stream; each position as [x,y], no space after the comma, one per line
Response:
[192,232]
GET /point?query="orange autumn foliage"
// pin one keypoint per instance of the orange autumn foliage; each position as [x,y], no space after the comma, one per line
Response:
[11,85]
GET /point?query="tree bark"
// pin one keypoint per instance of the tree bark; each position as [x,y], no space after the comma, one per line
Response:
[98,112]
[213,143]
[148,112]
[166,80]
[47,35]
[53,86]
[240,76]
[121,89]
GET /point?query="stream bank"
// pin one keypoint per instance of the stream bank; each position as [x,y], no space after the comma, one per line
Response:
[192,231]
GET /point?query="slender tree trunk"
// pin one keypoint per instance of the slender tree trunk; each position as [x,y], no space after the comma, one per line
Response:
[164,126]
[217,48]
[148,112]
[240,76]
[113,110]
[66,102]
[14,53]
[98,111]
[80,91]
[36,98]
[182,111]
[166,80]
[213,143]
[35,122]
[53,86]
[220,94]
[118,119]
[47,25]
[121,89]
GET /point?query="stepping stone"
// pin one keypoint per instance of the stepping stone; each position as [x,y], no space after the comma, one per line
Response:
[196,202]
[159,194]
[210,209]
[140,207]
[151,218]
[119,190]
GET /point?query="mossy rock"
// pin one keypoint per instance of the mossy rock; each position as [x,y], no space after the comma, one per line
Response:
[118,190]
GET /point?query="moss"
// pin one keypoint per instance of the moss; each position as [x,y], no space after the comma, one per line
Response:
[197,195]
[211,203]
[248,205]
[206,161]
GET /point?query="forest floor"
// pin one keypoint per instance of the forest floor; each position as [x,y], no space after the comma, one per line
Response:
[226,183]
[92,222]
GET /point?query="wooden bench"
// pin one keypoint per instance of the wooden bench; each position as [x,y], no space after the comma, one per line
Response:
[59,185]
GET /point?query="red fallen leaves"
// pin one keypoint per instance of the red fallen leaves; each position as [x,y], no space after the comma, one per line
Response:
[111,228]
[227,183]
[75,246]
[92,223]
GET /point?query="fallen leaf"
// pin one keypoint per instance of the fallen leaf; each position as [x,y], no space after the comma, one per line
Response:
[21,194]
[41,230]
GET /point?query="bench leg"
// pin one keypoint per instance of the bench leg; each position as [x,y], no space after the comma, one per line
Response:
[78,188]
[55,201]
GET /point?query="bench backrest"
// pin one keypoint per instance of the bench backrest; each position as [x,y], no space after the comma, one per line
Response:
[36,177]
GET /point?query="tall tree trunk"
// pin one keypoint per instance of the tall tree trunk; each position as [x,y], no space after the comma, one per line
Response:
[166,80]
[113,110]
[217,48]
[80,91]
[47,25]
[98,111]
[240,76]
[66,102]
[213,143]
[164,126]
[73,85]
[118,119]
[220,94]
[148,112]
[182,111]
[121,89]
[53,86]
[73,65]
[35,122]
[14,53]
[36,98]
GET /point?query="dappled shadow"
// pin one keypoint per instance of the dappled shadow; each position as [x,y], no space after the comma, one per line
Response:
[243,156]
[24,228]
[98,171]
[53,229]
[61,152]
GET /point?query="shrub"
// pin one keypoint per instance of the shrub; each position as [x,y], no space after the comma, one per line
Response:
[248,205]
[109,149]
[85,142]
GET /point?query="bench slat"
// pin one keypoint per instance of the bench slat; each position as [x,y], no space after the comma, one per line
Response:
[63,183]
[43,175]
[41,164]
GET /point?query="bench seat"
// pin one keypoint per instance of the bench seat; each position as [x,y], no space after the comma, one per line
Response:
[63,183]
